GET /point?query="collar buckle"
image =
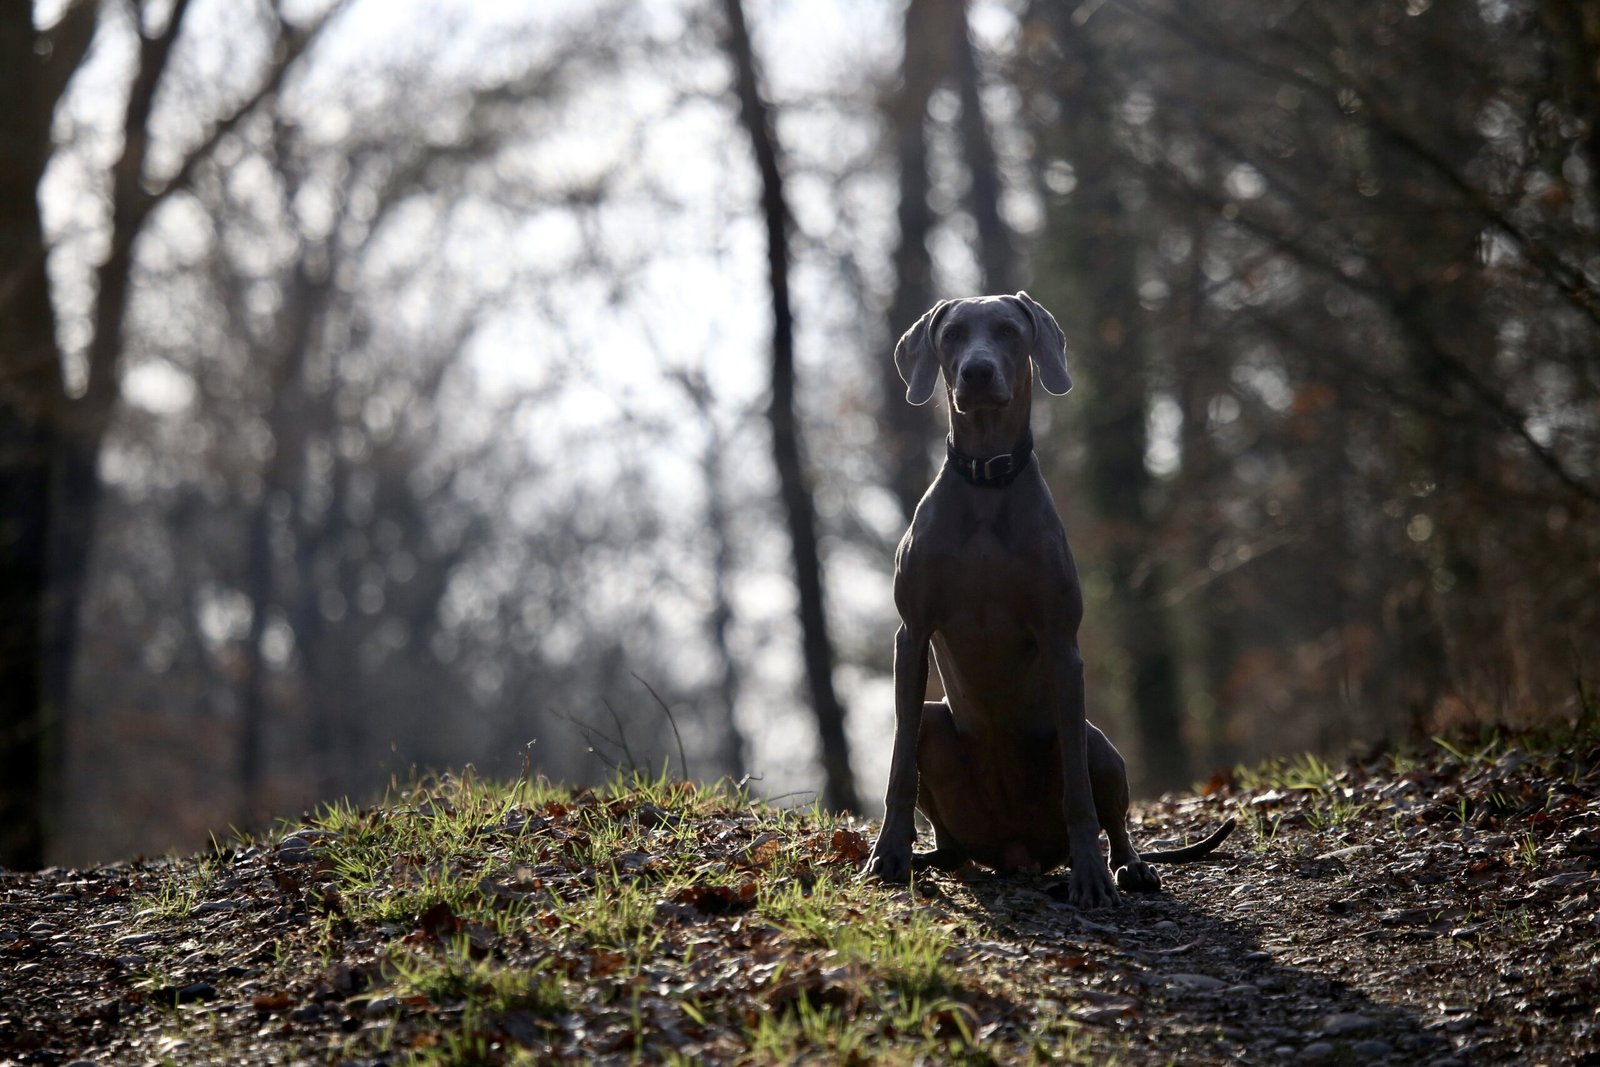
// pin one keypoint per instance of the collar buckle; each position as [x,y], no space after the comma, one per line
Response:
[1008,460]
[994,472]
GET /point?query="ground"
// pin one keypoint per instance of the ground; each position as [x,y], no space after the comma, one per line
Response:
[1435,908]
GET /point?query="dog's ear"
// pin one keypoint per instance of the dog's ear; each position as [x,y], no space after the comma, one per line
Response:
[1049,346]
[915,357]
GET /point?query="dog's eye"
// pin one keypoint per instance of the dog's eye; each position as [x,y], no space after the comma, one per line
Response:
[956,331]
[1006,331]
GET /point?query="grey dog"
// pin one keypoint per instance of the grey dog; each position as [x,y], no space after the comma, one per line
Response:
[1007,768]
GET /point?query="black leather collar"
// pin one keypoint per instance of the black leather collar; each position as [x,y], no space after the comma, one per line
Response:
[995,472]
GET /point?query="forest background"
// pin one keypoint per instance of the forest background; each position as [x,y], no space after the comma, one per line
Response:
[399,385]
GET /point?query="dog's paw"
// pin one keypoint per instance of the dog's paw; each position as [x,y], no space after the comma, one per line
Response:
[888,863]
[1138,877]
[1090,886]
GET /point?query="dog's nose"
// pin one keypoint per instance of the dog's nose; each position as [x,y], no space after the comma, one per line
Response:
[977,374]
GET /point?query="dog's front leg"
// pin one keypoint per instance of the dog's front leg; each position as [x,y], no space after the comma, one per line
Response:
[891,854]
[1090,885]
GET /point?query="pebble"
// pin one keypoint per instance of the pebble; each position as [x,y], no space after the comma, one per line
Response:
[1317,1051]
[380,1006]
[1564,881]
[1166,926]
[1199,983]
[296,850]
[135,940]
[1372,1049]
[210,907]
[1343,853]
[651,816]
[197,991]
[1347,1023]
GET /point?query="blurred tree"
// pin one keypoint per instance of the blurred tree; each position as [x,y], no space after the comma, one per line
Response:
[38,64]
[333,552]
[731,749]
[938,48]
[1363,239]
[385,480]
[1093,248]
[56,424]
[905,431]
[996,251]
[839,791]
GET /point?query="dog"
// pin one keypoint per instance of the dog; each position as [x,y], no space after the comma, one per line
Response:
[1007,768]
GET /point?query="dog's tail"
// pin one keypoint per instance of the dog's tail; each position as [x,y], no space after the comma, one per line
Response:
[1190,853]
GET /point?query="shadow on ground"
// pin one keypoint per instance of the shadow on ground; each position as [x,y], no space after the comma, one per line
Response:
[1217,967]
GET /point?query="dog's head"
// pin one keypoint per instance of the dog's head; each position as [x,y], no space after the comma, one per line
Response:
[983,345]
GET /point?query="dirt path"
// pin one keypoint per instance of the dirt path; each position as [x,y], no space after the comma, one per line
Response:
[1436,910]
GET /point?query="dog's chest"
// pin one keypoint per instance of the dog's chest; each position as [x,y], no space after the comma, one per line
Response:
[984,580]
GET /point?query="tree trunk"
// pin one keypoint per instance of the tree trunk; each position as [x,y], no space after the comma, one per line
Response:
[996,255]
[30,394]
[840,790]
[75,488]
[905,432]
[937,45]
[732,751]
[1099,241]
[75,494]
[1203,377]
[731,747]
[301,311]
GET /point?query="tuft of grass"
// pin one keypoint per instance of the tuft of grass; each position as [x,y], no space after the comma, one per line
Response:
[510,923]
[790,1037]
[903,951]
[433,843]
[1305,772]
[854,970]
[454,975]
[1403,761]
[174,897]
[1263,829]
[1337,810]
[619,915]
[936,1032]
[1335,805]
[1528,852]
[1470,755]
